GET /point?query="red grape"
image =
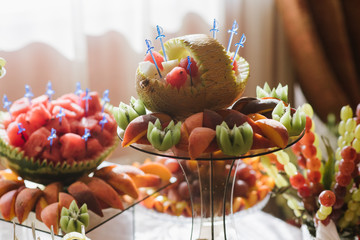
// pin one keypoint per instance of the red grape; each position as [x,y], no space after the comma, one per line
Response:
[348,153]
[308,138]
[241,188]
[297,180]
[183,190]
[301,161]
[313,176]
[327,198]
[346,167]
[338,203]
[316,188]
[313,164]
[172,164]
[339,191]
[304,191]
[308,124]
[296,148]
[343,180]
[309,151]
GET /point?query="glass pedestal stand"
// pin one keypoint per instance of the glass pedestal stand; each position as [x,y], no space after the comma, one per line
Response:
[210,183]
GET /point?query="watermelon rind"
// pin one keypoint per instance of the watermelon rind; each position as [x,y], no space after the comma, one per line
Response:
[41,170]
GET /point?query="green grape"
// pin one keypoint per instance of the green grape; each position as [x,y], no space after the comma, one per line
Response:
[340,141]
[356,195]
[308,110]
[341,127]
[357,132]
[349,136]
[316,140]
[325,210]
[356,145]
[320,215]
[343,223]
[282,157]
[346,113]
[349,215]
[2,62]
[358,212]
[353,205]
[290,169]
[338,154]
[350,125]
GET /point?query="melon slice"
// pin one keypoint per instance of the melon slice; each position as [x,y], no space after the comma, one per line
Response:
[216,85]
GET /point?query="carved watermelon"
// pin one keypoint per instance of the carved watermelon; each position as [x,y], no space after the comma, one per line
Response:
[29,153]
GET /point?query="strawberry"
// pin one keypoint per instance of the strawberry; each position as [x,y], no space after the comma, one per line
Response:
[176,77]
[193,67]
[235,66]
[158,58]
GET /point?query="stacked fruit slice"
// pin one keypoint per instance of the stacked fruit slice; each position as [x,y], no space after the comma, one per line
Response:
[250,124]
[58,205]
[30,148]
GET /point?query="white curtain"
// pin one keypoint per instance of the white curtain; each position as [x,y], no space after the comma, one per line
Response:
[99,43]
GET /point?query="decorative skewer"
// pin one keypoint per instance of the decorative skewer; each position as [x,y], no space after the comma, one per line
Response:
[189,68]
[7,104]
[86,136]
[78,90]
[105,98]
[14,225]
[232,31]
[49,91]
[28,94]
[214,30]
[52,232]
[21,131]
[33,230]
[239,44]
[149,50]
[60,115]
[103,121]
[160,36]
[87,97]
[52,137]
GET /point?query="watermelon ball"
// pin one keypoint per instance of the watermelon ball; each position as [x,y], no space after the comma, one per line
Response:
[193,67]
[158,58]
[176,77]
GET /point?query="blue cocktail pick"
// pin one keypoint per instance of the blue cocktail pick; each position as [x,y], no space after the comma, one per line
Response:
[86,136]
[21,131]
[160,36]
[239,44]
[28,94]
[189,68]
[103,121]
[49,90]
[214,30]
[60,115]
[232,31]
[149,50]
[87,97]
[105,99]
[7,104]
[78,90]
[52,137]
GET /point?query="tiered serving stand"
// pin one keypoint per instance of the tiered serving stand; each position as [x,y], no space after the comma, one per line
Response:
[211,200]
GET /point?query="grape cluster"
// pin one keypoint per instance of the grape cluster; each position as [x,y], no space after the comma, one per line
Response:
[326,199]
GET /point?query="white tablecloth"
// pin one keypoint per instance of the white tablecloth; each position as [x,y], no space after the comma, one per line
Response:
[256,226]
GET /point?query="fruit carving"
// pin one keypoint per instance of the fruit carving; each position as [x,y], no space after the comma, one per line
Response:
[251,124]
[198,75]
[42,140]
[72,218]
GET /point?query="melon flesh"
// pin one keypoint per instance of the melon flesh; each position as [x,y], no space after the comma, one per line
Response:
[36,142]
[72,146]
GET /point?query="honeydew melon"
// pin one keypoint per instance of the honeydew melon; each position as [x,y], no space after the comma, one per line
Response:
[216,86]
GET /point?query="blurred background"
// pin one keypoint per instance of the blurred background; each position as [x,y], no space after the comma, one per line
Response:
[312,46]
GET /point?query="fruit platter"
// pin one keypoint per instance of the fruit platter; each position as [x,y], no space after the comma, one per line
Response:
[56,176]
[190,109]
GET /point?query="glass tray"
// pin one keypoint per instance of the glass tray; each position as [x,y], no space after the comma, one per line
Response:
[95,220]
